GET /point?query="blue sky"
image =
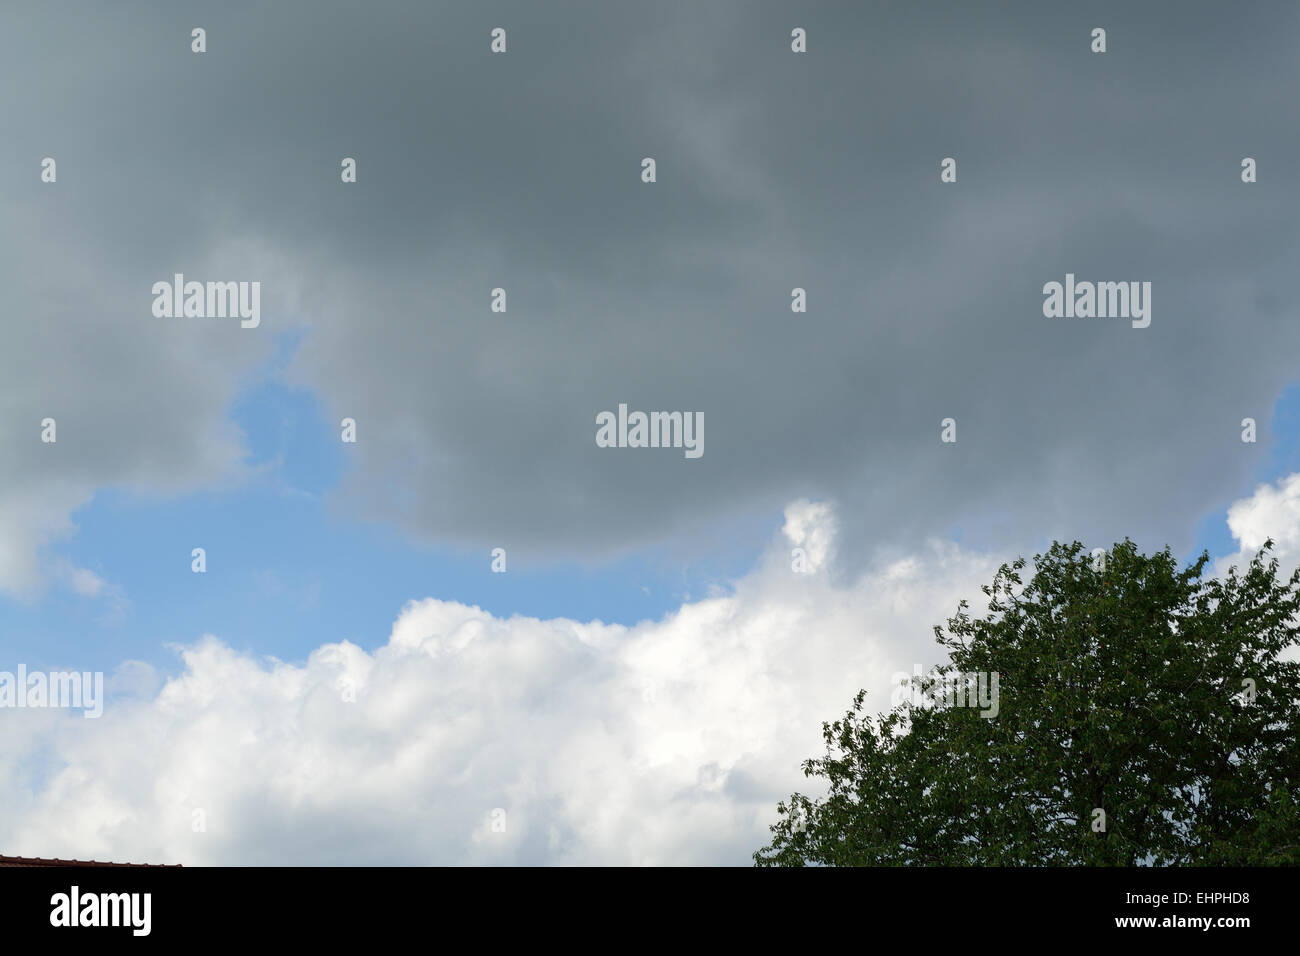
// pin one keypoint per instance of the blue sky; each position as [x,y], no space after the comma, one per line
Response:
[1283,458]
[287,573]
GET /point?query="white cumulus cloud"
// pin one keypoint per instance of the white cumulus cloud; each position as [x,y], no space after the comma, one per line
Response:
[666,742]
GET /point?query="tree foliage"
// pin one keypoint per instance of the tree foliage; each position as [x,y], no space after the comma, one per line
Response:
[1124,690]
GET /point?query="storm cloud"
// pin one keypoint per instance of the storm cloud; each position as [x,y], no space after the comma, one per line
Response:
[775,170]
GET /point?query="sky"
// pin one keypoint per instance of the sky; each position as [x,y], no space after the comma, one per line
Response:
[348,680]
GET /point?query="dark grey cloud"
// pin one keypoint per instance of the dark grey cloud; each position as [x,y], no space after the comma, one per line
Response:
[775,170]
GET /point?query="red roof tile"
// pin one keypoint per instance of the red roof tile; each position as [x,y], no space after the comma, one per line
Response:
[39,861]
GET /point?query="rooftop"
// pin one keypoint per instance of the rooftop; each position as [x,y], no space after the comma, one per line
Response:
[40,861]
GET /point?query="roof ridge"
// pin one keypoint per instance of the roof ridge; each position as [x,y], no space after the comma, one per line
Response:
[54,861]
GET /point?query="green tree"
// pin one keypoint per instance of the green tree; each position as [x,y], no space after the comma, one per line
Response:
[1125,689]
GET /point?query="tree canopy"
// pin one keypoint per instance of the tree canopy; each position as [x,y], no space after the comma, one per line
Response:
[1147,715]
